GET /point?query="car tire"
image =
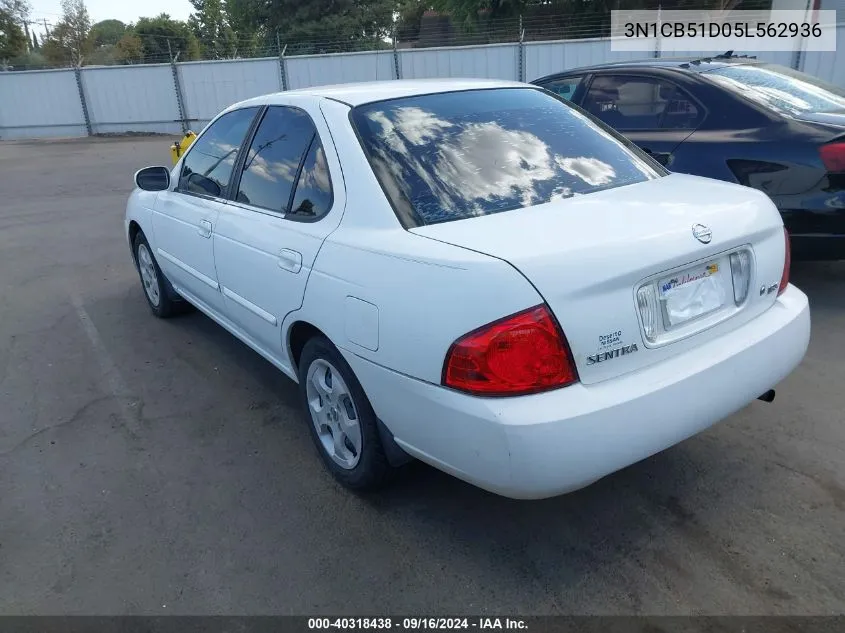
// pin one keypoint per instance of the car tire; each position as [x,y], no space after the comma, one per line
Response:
[157,290]
[341,419]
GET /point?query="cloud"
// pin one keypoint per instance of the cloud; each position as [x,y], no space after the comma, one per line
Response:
[591,170]
[486,161]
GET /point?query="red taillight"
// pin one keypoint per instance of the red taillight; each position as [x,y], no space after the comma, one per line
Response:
[520,354]
[787,263]
[833,156]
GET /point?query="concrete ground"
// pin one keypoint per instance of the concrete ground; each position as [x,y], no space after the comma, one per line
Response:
[156,467]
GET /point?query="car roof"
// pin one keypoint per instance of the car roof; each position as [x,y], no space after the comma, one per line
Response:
[689,64]
[355,94]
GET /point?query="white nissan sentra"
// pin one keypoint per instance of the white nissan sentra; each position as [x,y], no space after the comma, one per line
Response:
[474,274]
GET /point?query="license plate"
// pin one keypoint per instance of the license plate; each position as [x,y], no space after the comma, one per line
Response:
[692,293]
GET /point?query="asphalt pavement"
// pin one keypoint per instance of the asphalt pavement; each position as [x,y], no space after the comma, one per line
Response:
[157,467]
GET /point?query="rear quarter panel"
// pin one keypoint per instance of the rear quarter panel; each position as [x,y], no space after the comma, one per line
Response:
[425,295]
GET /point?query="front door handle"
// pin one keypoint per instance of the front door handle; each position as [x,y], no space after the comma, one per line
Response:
[290,260]
[204,228]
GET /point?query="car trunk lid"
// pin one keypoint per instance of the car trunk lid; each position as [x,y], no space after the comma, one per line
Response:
[587,256]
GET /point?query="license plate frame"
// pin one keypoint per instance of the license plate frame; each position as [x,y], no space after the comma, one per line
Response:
[692,293]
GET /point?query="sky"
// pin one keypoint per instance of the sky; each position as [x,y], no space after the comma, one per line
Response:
[123,10]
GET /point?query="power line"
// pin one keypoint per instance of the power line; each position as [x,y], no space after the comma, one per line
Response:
[45,12]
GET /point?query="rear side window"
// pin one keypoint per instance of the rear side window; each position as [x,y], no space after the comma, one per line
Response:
[641,103]
[779,88]
[208,166]
[313,197]
[450,156]
[273,160]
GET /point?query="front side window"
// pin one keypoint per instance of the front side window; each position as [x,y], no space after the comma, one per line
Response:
[274,158]
[641,103]
[779,88]
[208,166]
[456,155]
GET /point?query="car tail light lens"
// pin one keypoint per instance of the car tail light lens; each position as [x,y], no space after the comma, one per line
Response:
[649,310]
[787,263]
[521,354]
[740,275]
[833,156]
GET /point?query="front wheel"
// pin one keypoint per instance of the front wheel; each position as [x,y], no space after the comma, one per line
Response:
[342,422]
[153,281]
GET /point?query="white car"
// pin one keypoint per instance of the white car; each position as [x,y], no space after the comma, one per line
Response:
[474,274]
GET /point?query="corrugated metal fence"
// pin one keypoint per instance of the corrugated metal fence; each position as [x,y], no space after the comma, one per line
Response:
[172,97]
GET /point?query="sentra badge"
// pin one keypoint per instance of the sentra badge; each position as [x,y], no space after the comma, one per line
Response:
[614,353]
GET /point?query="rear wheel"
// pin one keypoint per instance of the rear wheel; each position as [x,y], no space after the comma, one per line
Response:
[342,422]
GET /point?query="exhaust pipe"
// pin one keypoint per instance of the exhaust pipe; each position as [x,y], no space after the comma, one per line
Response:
[769,396]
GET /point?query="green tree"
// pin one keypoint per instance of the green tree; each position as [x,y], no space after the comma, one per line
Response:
[312,27]
[156,33]
[107,32]
[324,25]
[12,38]
[242,16]
[129,49]
[18,9]
[32,60]
[68,42]
[210,23]
[102,42]
[466,12]
[573,17]
[410,13]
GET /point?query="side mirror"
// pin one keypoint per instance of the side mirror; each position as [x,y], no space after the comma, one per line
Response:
[153,178]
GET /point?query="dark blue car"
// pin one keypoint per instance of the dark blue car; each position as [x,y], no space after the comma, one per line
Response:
[735,119]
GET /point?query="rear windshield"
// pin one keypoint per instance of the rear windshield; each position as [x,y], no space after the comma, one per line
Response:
[455,155]
[779,88]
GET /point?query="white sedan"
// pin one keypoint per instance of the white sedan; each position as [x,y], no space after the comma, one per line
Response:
[474,274]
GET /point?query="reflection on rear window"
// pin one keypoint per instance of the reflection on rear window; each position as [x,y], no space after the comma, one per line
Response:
[450,156]
[780,88]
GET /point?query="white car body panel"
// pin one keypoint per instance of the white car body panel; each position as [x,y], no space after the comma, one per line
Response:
[394,300]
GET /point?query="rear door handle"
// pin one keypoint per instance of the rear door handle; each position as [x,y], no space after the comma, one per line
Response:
[290,260]
[204,228]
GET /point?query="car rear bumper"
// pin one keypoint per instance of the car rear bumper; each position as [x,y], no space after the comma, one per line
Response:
[547,444]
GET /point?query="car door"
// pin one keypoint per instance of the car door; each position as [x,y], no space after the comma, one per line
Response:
[281,210]
[653,112]
[185,215]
